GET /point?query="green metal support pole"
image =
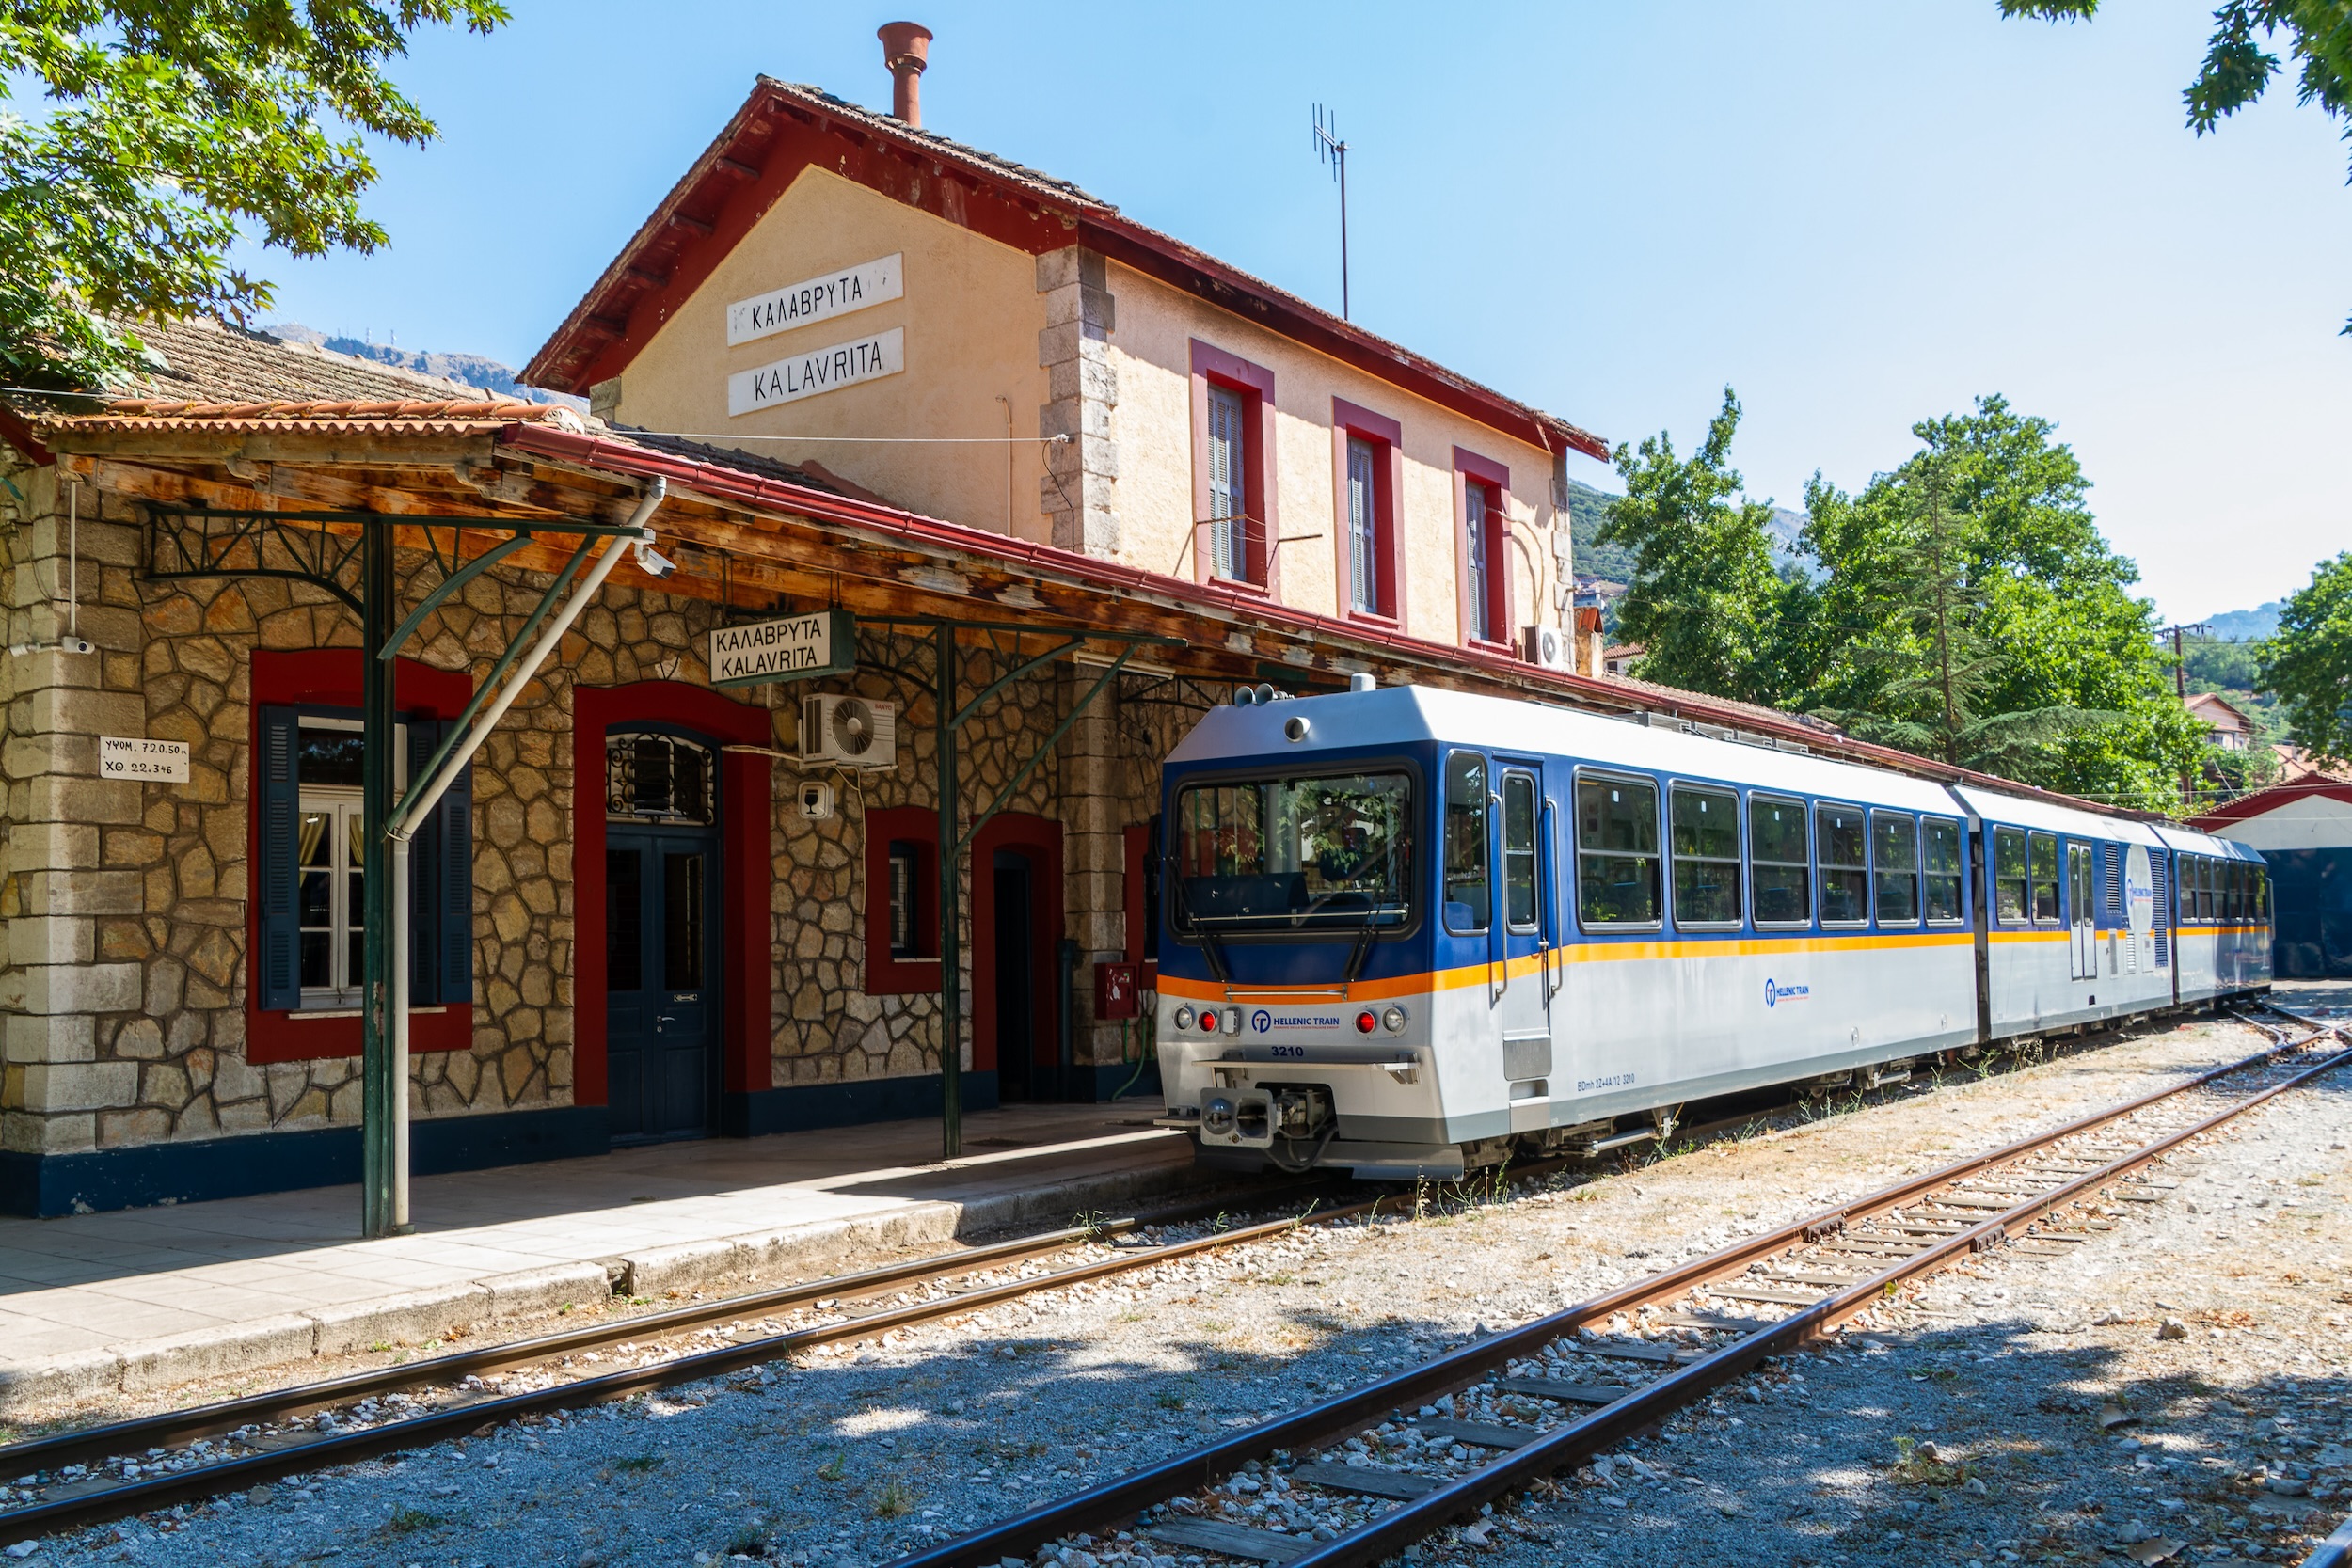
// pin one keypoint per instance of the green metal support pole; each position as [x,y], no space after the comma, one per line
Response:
[950,879]
[376,1087]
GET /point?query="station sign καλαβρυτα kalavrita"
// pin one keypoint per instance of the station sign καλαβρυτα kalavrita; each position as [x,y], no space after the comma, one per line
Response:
[823,643]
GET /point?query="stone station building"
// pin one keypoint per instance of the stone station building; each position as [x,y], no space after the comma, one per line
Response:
[645,913]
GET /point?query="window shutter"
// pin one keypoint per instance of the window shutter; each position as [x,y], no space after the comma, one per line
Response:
[2112,856]
[454,825]
[276,977]
[2159,878]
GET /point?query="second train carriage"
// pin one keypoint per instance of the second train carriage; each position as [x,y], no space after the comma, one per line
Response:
[1405,930]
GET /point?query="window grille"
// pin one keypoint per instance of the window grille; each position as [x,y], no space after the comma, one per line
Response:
[658,778]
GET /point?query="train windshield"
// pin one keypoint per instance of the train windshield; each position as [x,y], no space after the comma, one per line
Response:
[1300,854]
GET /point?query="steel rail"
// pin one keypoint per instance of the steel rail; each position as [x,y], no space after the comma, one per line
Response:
[1388,1533]
[153,1491]
[1124,1496]
[141,1434]
[116,1500]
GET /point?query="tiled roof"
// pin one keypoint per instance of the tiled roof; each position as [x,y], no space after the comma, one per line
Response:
[649,265]
[435,416]
[204,360]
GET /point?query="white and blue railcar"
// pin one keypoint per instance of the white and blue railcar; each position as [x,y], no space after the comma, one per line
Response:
[1406,931]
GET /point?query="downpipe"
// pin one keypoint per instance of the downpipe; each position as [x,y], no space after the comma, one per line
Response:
[421,802]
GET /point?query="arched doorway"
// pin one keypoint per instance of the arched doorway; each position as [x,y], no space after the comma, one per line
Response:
[662,980]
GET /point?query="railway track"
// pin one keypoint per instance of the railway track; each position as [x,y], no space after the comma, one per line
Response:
[78,1478]
[1560,1390]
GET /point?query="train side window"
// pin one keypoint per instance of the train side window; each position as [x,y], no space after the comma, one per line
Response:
[1895,861]
[2046,879]
[2011,894]
[1468,902]
[1940,872]
[2203,890]
[1617,852]
[1518,850]
[2237,892]
[1845,850]
[1781,861]
[2261,894]
[1707,856]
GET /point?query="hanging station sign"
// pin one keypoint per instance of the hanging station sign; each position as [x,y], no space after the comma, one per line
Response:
[150,761]
[817,299]
[791,649]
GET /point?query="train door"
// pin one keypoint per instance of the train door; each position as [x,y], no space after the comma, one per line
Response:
[2083,946]
[1522,931]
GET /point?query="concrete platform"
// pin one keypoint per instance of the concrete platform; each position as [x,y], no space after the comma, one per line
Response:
[144,1299]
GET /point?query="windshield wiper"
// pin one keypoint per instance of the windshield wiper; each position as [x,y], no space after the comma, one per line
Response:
[1210,948]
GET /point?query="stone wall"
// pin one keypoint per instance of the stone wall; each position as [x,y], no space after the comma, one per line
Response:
[125,976]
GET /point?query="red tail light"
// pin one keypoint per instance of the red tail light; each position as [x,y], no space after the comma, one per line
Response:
[1365,1023]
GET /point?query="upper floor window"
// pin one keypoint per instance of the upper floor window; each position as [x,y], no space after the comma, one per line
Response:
[1229,485]
[1233,404]
[1485,583]
[1371,582]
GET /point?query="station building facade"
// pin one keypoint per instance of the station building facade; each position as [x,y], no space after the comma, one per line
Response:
[632,919]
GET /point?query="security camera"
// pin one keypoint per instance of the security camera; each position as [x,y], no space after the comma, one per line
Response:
[653,561]
[77,646]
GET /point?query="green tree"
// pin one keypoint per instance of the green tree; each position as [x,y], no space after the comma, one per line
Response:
[2308,664]
[1978,564]
[1934,680]
[2239,66]
[169,130]
[1704,602]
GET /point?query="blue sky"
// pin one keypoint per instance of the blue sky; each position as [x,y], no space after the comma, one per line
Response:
[1858,214]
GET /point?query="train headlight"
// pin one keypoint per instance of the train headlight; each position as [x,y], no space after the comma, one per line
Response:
[1392,1019]
[1184,1018]
[1364,1022]
[1217,1116]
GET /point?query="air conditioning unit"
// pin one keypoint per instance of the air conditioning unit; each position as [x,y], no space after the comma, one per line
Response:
[1544,645]
[848,732]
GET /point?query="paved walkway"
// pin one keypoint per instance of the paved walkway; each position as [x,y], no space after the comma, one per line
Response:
[149,1297]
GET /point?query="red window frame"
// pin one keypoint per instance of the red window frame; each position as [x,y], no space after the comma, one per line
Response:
[1214,367]
[1350,421]
[330,677]
[887,974]
[1470,469]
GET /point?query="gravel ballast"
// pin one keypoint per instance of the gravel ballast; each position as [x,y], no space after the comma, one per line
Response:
[1967,1427]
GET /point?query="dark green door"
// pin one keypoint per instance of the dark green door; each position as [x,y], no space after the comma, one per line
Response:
[661,978]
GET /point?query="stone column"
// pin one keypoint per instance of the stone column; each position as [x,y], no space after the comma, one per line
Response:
[57,884]
[1079,489]
[1093,814]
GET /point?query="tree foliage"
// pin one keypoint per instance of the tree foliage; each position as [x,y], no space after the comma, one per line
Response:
[1965,607]
[1704,601]
[2308,664]
[167,129]
[2239,66]
[1985,534]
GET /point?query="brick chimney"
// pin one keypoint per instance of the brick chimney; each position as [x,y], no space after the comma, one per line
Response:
[906,49]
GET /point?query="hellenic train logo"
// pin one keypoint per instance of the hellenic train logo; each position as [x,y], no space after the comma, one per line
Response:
[1262,1020]
[1774,995]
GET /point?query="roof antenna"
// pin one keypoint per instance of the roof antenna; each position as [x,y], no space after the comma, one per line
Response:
[1330,150]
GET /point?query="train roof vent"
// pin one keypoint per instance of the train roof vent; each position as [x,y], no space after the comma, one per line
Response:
[1797,745]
